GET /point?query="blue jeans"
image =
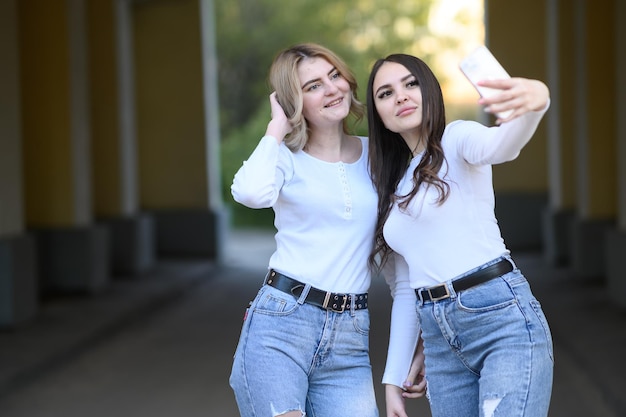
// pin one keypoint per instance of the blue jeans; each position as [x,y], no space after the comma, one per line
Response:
[488,351]
[296,356]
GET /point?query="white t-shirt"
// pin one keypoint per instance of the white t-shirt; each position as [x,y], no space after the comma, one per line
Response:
[325,214]
[435,243]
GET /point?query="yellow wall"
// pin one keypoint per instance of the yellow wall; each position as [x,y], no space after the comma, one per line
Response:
[516,36]
[44,61]
[170,113]
[105,136]
[601,110]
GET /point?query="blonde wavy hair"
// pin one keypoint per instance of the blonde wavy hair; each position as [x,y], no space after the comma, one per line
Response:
[284,80]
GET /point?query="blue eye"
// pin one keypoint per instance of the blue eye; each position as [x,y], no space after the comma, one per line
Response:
[313,87]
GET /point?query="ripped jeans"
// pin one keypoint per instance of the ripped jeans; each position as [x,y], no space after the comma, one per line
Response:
[488,351]
[294,356]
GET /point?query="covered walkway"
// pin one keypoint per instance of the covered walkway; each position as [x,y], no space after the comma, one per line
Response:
[161,344]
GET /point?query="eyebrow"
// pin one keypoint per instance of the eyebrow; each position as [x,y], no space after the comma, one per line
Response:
[317,79]
[406,77]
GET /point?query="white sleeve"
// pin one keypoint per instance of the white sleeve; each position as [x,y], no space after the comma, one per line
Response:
[258,181]
[481,145]
[404,330]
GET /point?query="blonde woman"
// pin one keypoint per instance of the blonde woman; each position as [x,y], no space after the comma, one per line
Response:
[304,345]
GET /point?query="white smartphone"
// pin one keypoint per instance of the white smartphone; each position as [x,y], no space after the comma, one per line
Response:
[482,65]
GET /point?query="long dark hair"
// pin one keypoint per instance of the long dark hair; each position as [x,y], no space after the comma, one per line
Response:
[389,154]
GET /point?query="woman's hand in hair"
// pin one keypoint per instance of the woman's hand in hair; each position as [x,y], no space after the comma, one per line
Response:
[521,95]
[279,126]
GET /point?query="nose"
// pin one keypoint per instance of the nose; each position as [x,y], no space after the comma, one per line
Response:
[331,88]
[401,98]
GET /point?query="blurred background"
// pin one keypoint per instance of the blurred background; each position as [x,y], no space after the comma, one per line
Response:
[122,123]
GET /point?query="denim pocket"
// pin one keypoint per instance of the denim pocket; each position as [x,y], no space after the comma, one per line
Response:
[361,320]
[275,302]
[492,295]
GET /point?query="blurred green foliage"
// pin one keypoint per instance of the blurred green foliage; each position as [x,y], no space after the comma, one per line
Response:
[251,32]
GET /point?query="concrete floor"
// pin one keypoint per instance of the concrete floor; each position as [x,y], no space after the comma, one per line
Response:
[162,344]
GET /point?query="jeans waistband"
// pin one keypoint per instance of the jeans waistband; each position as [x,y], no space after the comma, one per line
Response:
[325,299]
[441,291]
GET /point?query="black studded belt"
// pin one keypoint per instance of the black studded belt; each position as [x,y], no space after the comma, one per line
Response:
[327,300]
[440,292]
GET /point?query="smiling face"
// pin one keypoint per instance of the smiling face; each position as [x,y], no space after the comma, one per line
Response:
[326,93]
[398,98]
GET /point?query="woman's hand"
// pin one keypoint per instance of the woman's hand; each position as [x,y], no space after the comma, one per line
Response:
[394,401]
[279,126]
[521,95]
[415,384]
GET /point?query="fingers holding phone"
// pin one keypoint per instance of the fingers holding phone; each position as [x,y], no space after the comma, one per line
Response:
[502,95]
[516,95]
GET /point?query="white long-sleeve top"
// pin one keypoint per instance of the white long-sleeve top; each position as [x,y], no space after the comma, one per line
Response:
[325,214]
[435,243]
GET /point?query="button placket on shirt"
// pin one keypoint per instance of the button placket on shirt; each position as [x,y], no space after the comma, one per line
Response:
[347,195]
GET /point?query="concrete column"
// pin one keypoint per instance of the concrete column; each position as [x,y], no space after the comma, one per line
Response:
[114,140]
[212,127]
[57,157]
[176,125]
[560,119]
[595,137]
[616,239]
[521,185]
[18,280]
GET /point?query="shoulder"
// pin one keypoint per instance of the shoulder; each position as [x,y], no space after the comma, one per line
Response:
[364,146]
[287,161]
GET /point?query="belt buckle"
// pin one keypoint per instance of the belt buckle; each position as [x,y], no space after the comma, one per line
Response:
[341,308]
[433,298]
